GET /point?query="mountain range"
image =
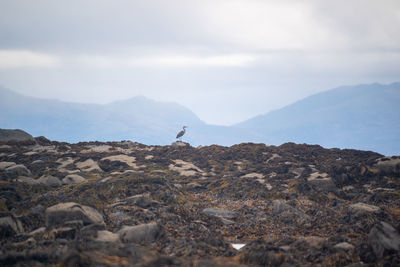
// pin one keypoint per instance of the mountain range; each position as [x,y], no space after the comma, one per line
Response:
[365,117]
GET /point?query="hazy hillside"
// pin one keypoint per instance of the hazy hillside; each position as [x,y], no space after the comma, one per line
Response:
[363,117]
[137,119]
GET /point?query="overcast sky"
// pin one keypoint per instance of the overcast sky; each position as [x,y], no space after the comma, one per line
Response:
[226,60]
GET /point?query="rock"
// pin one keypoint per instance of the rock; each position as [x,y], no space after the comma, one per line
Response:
[5,164]
[88,166]
[313,241]
[90,231]
[200,214]
[38,231]
[226,214]
[34,219]
[14,135]
[10,226]
[287,213]
[64,233]
[130,161]
[383,237]
[180,144]
[360,209]
[143,202]
[17,170]
[107,236]
[388,165]
[253,175]
[259,253]
[69,211]
[321,182]
[41,140]
[343,246]
[73,179]
[27,180]
[50,181]
[185,168]
[139,233]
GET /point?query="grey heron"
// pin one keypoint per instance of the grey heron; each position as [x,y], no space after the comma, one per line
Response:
[181,133]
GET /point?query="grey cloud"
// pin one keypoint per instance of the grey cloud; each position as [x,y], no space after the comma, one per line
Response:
[94,43]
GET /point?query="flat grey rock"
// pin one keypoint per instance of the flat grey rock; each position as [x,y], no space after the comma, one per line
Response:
[50,181]
[70,211]
[5,164]
[73,179]
[360,209]
[17,170]
[27,180]
[139,233]
[226,214]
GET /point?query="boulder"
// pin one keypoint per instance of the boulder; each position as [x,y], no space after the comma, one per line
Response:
[88,166]
[360,209]
[27,180]
[140,233]
[107,236]
[144,202]
[70,211]
[50,181]
[288,213]
[10,226]
[180,144]
[387,165]
[226,214]
[5,164]
[321,182]
[17,170]
[73,179]
[383,237]
[14,135]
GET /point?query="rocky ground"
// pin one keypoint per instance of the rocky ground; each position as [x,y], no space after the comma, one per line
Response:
[125,204]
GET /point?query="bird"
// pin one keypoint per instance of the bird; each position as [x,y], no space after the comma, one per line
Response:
[181,133]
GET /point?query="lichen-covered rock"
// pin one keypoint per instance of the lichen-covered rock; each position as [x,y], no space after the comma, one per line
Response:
[287,213]
[10,226]
[14,135]
[387,165]
[107,236]
[140,233]
[50,181]
[360,209]
[120,159]
[5,164]
[70,211]
[17,170]
[73,179]
[227,214]
[383,237]
[27,180]
[88,166]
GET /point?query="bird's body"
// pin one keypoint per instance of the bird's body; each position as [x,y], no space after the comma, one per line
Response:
[181,133]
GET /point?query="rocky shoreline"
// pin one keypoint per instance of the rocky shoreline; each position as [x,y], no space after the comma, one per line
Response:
[125,204]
